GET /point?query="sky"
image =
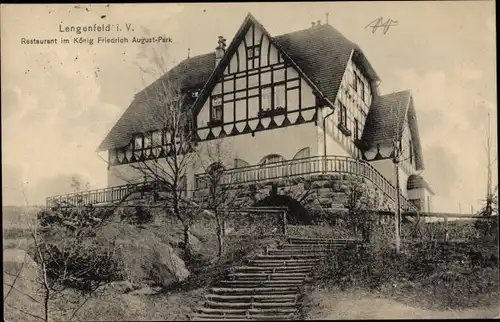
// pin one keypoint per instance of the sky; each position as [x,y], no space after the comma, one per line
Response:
[60,100]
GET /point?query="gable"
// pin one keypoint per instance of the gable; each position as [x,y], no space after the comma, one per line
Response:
[252,70]
[387,118]
[319,55]
[323,54]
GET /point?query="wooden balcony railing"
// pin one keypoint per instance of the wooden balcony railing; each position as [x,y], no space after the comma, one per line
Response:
[309,166]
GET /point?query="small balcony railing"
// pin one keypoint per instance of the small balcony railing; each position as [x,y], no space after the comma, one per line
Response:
[308,166]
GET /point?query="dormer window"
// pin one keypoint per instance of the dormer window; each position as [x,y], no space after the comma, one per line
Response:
[253,52]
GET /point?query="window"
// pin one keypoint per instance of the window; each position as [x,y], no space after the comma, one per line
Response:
[356,130]
[304,153]
[266,98]
[273,98]
[272,158]
[342,114]
[355,81]
[239,163]
[217,113]
[270,167]
[156,139]
[147,141]
[217,108]
[138,142]
[279,96]
[343,119]
[362,91]
[167,137]
[252,52]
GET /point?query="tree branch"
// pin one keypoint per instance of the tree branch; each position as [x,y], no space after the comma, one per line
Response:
[21,292]
[16,277]
[24,312]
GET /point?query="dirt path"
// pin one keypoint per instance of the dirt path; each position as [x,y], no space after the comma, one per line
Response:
[360,305]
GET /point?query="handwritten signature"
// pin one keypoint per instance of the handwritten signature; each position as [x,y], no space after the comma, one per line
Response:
[379,23]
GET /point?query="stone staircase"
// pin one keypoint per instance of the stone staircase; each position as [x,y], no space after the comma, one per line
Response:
[268,286]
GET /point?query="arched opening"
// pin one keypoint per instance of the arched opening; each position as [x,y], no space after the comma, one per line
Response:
[297,214]
[271,158]
[303,153]
[271,166]
[303,166]
[240,163]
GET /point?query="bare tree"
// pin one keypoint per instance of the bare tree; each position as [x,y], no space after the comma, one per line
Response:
[490,198]
[220,196]
[77,184]
[67,259]
[401,152]
[166,136]
[362,203]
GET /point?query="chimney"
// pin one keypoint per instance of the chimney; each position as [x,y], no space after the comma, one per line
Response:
[313,24]
[220,50]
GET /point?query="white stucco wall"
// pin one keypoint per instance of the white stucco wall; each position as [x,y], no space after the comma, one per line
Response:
[335,140]
[424,195]
[285,141]
[386,168]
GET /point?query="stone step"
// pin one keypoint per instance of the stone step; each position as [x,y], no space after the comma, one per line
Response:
[260,283]
[256,317]
[244,312]
[259,298]
[313,247]
[268,276]
[295,253]
[243,305]
[278,269]
[283,262]
[272,255]
[255,290]
[303,240]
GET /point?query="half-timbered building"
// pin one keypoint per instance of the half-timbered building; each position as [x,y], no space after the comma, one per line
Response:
[306,95]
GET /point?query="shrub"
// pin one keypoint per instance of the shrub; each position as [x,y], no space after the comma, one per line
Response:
[138,215]
[72,257]
[454,275]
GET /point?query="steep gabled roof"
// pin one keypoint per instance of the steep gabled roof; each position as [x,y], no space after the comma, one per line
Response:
[190,73]
[320,54]
[386,119]
[417,182]
[240,34]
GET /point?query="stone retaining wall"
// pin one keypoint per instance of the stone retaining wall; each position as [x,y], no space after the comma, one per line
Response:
[314,192]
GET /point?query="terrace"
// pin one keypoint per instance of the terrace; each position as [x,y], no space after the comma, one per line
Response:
[256,173]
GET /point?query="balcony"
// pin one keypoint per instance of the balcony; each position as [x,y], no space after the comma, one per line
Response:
[249,174]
